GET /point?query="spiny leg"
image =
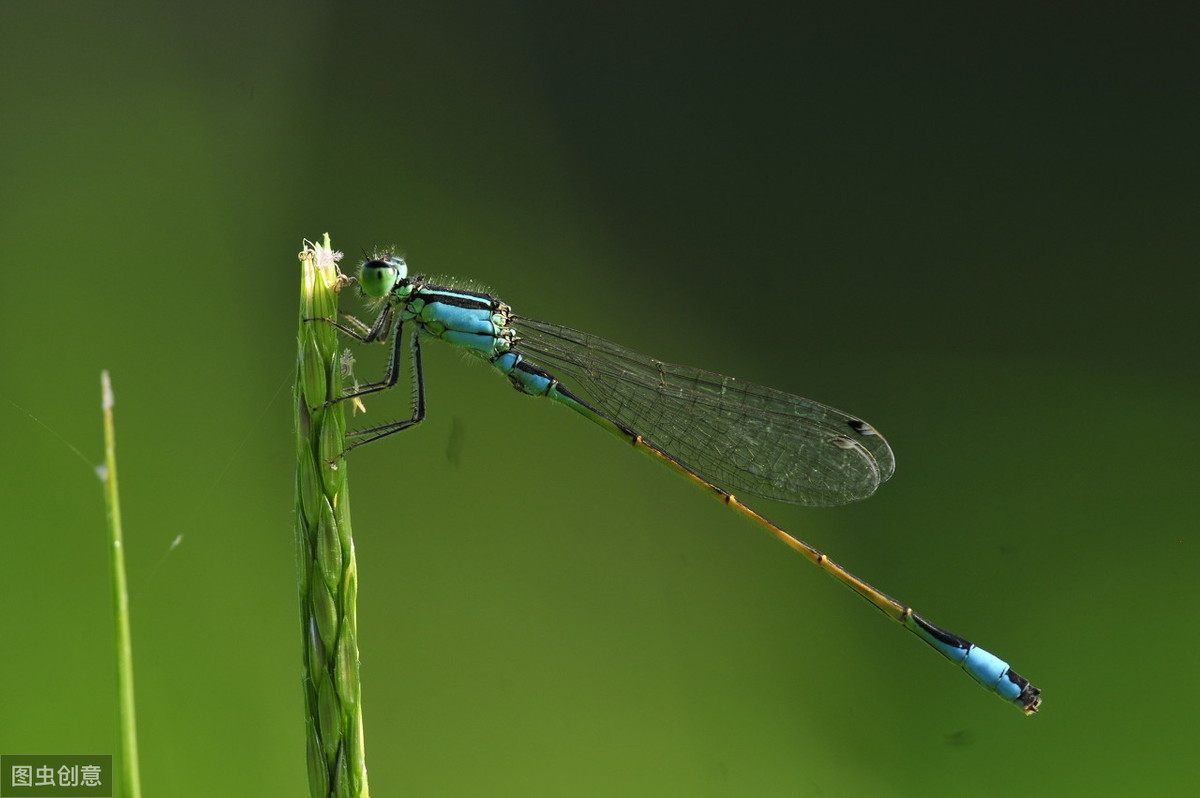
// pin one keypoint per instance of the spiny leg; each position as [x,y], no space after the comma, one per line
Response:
[362,328]
[378,331]
[418,415]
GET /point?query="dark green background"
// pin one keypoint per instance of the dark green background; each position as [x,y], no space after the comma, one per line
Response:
[976,229]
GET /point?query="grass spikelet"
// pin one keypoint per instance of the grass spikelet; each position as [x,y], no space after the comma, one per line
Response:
[325,566]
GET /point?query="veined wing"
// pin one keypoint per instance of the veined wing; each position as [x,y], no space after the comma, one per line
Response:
[745,438]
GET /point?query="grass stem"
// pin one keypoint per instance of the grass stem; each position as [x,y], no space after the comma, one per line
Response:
[127,718]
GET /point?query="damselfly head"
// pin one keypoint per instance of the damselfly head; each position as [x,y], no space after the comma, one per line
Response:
[379,275]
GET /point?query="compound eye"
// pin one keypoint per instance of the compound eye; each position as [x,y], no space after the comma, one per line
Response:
[379,276]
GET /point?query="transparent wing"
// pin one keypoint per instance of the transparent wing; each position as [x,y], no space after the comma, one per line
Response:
[743,437]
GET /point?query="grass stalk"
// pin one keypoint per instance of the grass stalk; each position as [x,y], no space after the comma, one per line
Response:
[126,716]
[325,565]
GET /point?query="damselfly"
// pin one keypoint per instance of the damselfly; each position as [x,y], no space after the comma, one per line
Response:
[727,436]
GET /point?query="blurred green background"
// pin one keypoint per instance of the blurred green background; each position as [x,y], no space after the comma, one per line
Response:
[975,229]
